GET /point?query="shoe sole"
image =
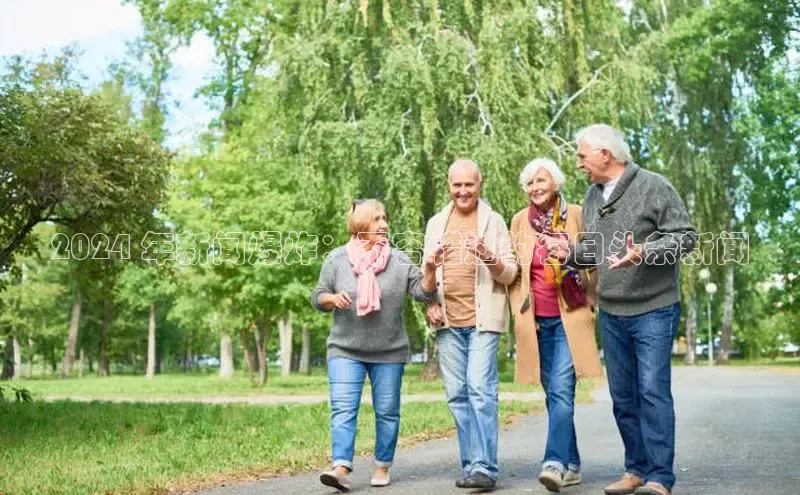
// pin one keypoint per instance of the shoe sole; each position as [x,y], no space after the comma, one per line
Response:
[646,491]
[333,481]
[379,484]
[551,484]
[571,483]
[619,492]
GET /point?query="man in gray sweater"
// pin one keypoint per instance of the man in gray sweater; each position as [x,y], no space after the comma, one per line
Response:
[636,229]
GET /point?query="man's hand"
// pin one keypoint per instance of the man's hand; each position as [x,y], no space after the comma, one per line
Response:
[633,255]
[557,246]
[435,315]
[476,246]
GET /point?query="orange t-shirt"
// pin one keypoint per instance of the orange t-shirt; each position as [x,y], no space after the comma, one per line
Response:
[459,270]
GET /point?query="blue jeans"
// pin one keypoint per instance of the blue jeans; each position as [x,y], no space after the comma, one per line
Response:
[638,352]
[468,362]
[558,382]
[346,380]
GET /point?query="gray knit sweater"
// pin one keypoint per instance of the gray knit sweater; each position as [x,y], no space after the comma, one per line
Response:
[645,204]
[380,336]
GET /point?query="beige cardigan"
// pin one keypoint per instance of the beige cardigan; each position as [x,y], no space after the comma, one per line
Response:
[491,298]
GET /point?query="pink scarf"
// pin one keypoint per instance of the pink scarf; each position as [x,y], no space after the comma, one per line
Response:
[367,264]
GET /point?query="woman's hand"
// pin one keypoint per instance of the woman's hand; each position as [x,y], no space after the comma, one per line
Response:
[435,315]
[340,300]
[436,258]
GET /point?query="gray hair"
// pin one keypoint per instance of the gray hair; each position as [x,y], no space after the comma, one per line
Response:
[533,167]
[465,163]
[605,137]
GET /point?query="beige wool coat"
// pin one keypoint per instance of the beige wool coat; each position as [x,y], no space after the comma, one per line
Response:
[578,323]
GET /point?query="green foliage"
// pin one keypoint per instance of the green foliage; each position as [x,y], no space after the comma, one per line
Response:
[20,394]
[69,157]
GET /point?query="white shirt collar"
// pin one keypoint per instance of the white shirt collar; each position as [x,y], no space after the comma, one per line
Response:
[609,186]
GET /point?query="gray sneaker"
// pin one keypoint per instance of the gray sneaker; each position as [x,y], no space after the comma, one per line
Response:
[571,478]
[552,479]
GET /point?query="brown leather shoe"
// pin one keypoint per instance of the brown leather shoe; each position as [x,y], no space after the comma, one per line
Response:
[625,486]
[652,488]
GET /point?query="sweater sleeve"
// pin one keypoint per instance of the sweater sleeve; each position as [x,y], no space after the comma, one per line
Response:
[506,253]
[674,235]
[325,285]
[414,285]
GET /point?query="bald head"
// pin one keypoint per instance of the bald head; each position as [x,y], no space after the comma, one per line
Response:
[463,164]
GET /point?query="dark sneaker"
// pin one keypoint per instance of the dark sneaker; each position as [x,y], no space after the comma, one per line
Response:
[460,482]
[479,480]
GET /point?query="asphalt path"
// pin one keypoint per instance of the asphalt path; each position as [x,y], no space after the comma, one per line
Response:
[738,433]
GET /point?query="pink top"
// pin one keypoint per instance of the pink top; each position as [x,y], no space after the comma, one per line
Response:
[545,296]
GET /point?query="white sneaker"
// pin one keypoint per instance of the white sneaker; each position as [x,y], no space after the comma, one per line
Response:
[571,478]
[552,479]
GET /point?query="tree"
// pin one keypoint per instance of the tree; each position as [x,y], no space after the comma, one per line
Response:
[67,157]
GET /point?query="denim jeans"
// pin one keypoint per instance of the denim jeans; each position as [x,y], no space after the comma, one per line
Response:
[346,379]
[468,362]
[558,382]
[638,352]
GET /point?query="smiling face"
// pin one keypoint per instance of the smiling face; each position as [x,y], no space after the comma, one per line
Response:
[378,227]
[542,190]
[368,221]
[595,163]
[465,188]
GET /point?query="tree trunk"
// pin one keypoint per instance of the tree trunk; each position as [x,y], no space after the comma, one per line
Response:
[151,343]
[30,358]
[102,365]
[250,358]
[305,351]
[81,362]
[72,338]
[8,360]
[727,315]
[285,336]
[261,348]
[17,374]
[53,364]
[691,330]
[189,354]
[431,370]
[225,356]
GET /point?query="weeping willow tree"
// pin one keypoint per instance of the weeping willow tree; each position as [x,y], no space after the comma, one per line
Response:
[377,98]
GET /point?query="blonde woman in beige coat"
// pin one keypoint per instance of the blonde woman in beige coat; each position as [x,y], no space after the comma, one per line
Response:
[552,307]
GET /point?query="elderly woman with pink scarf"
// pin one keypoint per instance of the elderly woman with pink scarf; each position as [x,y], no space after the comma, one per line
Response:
[365,284]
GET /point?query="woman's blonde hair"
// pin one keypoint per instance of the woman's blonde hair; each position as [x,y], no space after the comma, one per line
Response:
[362,213]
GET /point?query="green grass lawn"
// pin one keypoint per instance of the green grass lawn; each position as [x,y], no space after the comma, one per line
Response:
[81,448]
[203,385]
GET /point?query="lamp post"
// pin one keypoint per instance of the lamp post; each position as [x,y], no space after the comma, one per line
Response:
[711,288]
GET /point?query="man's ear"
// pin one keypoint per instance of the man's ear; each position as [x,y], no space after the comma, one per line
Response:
[606,156]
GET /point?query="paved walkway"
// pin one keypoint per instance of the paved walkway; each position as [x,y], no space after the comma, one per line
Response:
[738,434]
[266,400]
